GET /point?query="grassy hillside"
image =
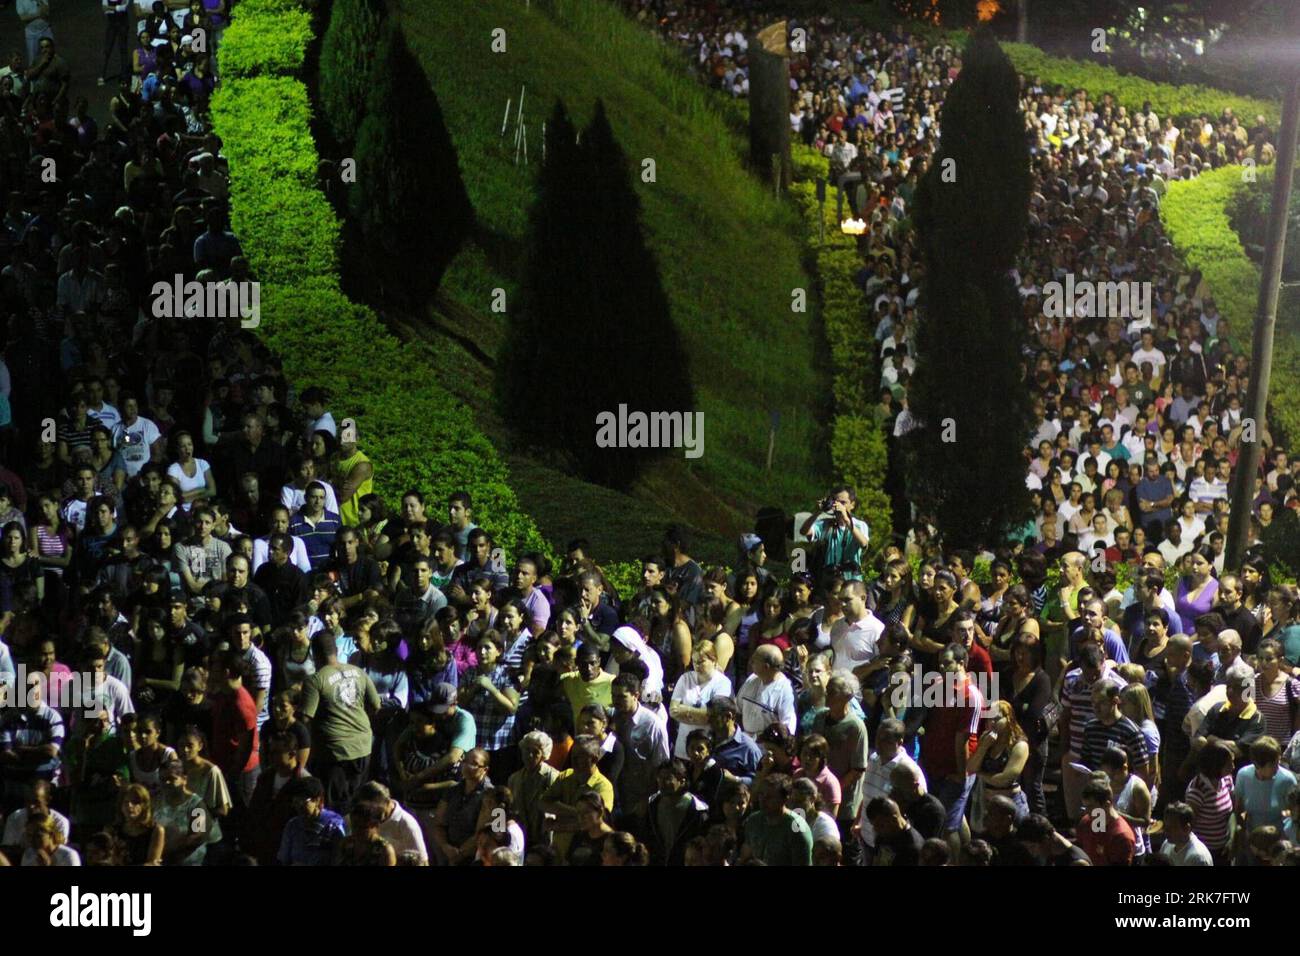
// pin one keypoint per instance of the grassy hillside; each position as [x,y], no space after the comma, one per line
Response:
[727,249]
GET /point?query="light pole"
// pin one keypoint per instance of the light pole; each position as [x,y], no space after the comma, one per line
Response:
[1261,362]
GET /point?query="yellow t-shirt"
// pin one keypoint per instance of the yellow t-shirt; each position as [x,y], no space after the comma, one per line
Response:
[581,693]
[567,788]
[350,510]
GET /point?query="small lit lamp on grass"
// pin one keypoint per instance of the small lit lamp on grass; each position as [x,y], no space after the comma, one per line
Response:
[853,227]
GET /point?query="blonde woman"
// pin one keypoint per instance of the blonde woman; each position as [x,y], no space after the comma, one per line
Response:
[44,843]
[1135,704]
[998,761]
[136,829]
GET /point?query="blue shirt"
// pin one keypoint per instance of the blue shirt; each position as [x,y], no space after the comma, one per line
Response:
[1149,490]
[1111,643]
[842,549]
[311,842]
[739,756]
[1264,800]
[318,539]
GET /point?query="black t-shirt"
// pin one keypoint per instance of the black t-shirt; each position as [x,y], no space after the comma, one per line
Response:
[194,643]
[899,849]
[1071,857]
[927,816]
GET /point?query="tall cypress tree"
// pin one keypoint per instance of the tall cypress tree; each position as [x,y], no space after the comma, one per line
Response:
[595,328]
[348,51]
[409,200]
[965,462]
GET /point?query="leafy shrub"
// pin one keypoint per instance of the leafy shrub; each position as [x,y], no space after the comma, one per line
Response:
[1132,91]
[288,229]
[271,43]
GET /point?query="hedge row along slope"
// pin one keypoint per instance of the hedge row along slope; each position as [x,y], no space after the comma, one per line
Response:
[414,431]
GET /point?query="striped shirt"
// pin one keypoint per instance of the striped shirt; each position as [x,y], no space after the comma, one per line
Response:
[1278,710]
[318,537]
[1076,694]
[32,727]
[1123,734]
[50,543]
[1212,804]
[261,681]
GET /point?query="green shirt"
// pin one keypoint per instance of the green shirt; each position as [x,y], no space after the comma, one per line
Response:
[339,699]
[848,751]
[787,842]
[581,693]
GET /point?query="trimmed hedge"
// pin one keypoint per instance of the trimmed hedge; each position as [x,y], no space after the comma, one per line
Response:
[288,229]
[273,42]
[859,453]
[1129,91]
[416,433]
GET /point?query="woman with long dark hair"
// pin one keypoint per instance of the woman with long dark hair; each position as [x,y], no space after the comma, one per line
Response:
[1035,711]
[1198,589]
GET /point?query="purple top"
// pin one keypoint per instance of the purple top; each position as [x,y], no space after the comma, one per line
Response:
[148,60]
[218,19]
[1189,611]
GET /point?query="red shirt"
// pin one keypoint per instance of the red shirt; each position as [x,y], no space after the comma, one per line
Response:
[233,716]
[980,660]
[938,743]
[1111,847]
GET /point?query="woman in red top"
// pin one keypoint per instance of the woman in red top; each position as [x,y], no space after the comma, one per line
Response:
[771,627]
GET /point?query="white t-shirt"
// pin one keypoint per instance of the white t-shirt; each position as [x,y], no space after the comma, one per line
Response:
[62,856]
[403,831]
[762,704]
[292,498]
[854,642]
[691,693]
[17,823]
[1193,853]
[1153,355]
[185,481]
[135,441]
[298,557]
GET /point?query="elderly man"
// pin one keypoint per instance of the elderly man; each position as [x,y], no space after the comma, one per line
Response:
[767,696]
[1230,660]
[1235,723]
[848,753]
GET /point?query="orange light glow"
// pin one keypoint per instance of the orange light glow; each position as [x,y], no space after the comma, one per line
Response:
[986,10]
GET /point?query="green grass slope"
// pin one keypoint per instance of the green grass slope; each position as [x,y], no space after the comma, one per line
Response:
[728,250]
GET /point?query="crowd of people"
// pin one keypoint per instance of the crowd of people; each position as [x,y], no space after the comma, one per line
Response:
[218,645]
